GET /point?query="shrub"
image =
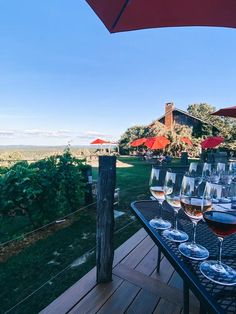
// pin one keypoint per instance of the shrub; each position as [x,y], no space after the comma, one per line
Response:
[44,190]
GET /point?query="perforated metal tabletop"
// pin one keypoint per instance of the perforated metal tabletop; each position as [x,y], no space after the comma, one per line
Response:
[214,298]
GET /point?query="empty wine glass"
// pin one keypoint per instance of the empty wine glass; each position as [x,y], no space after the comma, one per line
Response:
[220,167]
[233,195]
[156,185]
[232,170]
[223,223]
[192,203]
[207,171]
[172,188]
[196,168]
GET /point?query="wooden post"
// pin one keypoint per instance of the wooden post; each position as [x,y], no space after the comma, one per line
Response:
[105,217]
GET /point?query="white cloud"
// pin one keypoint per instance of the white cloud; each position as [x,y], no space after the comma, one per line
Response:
[48,133]
[52,136]
[4,133]
[35,133]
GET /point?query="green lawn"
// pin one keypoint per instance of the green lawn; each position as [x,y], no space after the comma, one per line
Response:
[35,266]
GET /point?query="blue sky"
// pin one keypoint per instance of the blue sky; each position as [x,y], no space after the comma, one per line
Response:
[63,77]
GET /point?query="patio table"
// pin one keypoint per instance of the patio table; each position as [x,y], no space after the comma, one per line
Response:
[214,298]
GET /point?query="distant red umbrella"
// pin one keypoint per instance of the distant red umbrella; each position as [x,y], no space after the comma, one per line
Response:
[226,112]
[100,141]
[187,141]
[158,142]
[138,142]
[212,142]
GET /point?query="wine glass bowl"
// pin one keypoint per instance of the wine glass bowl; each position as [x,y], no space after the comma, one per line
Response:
[222,224]
[156,185]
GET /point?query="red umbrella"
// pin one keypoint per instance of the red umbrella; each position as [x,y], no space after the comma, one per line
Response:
[212,142]
[99,141]
[158,142]
[138,142]
[226,112]
[126,15]
[187,141]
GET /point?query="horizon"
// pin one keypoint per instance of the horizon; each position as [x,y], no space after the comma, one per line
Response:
[65,78]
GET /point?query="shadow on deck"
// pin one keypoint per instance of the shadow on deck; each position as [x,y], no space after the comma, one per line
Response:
[136,286]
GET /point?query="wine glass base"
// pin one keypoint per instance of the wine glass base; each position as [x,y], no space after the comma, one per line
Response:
[159,223]
[175,235]
[193,251]
[218,273]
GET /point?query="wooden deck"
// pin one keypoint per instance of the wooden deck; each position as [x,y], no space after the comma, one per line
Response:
[136,286]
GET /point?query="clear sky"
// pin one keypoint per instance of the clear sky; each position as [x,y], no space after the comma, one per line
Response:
[63,77]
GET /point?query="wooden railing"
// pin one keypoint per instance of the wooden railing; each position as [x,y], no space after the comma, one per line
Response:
[105,217]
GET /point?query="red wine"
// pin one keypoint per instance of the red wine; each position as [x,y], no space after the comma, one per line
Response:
[221,223]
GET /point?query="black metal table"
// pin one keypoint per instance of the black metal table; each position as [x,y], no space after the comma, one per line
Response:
[214,298]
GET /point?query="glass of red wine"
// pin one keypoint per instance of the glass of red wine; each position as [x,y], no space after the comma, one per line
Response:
[192,202]
[222,221]
[172,188]
[156,185]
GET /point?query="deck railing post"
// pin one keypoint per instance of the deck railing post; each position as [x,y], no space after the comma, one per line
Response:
[105,217]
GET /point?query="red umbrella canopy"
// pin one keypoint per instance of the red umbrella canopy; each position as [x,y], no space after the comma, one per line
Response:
[187,141]
[212,142]
[126,15]
[158,142]
[99,141]
[226,112]
[138,142]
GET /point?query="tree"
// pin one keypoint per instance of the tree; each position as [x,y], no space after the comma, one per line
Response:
[226,126]
[131,134]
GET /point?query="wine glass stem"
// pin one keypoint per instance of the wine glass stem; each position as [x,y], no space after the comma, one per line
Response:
[194,232]
[161,208]
[175,220]
[220,249]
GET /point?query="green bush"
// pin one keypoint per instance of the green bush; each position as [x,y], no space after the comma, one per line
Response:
[44,190]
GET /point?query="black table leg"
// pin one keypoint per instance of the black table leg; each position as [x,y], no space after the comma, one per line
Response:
[201,310]
[186,299]
[158,260]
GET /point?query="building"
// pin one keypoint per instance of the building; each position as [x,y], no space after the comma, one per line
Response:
[174,116]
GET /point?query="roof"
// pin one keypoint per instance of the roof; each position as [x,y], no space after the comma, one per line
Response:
[187,114]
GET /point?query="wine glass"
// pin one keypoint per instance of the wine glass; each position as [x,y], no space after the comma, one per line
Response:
[207,171]
[233,195]
[223,223]
[191,199]
[172,188]
[221,167]
[196,168]
[232,170]
[156,185]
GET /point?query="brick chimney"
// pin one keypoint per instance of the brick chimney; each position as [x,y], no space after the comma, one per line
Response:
[169,107]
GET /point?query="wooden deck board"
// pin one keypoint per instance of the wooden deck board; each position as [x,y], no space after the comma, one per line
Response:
[120,300]
[136,286]
[93,301]
[154,286]
[144,302]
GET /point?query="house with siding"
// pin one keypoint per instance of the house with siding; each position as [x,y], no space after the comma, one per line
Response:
[174,116]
